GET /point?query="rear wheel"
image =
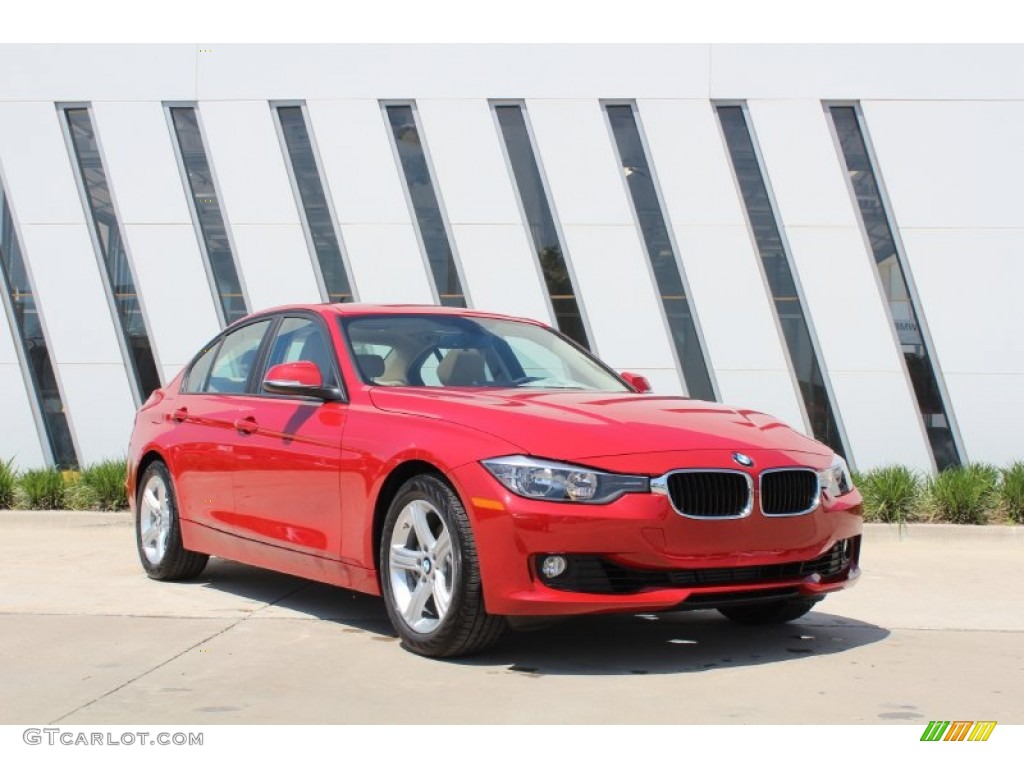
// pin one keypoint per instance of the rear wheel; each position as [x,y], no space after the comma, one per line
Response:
[430,576]
[777,612]
[158,529]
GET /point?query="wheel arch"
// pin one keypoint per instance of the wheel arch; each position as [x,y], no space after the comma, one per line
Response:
[398,475]
[145,460]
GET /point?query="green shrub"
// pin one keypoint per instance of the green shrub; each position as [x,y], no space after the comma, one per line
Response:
[8,483]
[78,495]
[964,495]
[1011,491]
[43,488]
[105,480]
[891,494]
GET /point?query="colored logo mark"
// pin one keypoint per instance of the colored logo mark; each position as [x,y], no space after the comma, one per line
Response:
[958,730]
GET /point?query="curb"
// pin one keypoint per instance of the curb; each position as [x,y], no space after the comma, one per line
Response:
[945,533]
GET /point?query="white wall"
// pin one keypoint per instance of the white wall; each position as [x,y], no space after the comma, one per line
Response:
[603,246]
[20,439]
[722,266]
[70,291]
[945,121]
[872,394]
[376,224]
[953,171]
[258,204]
[497,256]
[158,229]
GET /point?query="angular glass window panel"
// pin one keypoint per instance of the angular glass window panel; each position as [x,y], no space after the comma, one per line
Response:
[541,222]
[775,261]
[316,212]
[876,221]
[18,287]
[195,381]
[418,182]
[112,249]
[236,356]
[667,272]
[206,207]
[302,338]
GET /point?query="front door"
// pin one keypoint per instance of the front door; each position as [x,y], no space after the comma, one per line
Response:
[287,489]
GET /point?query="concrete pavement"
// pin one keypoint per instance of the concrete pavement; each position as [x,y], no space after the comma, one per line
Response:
[934,630]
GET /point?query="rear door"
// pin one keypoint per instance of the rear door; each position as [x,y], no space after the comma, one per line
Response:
[207,414]
[287,484]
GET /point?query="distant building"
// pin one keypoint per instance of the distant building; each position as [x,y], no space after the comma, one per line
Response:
[830,234]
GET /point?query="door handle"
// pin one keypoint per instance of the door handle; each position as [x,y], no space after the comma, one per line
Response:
[180,415]
[247,425]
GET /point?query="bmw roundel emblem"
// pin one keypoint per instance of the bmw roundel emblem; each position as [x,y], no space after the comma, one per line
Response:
[743,460]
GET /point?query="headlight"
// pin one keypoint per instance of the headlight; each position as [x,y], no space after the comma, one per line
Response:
[549,480]
[835,481]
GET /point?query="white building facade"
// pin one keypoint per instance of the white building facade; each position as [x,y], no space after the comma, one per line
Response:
[831,234]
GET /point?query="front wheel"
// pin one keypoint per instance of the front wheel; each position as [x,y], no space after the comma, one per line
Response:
[430,576]
[158,529]
[775,612]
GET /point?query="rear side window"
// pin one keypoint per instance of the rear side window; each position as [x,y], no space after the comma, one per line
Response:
[235,359]
[200,369]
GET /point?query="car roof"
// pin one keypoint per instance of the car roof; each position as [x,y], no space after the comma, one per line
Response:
[358,309]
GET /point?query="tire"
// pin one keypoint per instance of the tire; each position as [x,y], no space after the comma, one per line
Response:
[777,612]
[158,530]
[430,575]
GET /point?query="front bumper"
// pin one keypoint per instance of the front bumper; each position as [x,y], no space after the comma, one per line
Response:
[672,562]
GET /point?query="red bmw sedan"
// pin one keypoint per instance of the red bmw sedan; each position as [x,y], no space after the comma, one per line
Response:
[477,471]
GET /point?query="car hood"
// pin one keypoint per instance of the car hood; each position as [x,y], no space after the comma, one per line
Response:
[577,425]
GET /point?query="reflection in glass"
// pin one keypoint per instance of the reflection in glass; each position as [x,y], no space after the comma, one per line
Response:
[317,215]
[112,249]
[775,261]
[667,271]
[541,223]
[433,232]
[207,211]
[894,283]
[18,287]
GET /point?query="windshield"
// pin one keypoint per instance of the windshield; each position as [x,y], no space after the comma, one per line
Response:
[454,351]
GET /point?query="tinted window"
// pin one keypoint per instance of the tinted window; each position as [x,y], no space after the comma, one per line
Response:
[107,229]
[771,247]
[889,262]
[235,359]
[15,282]
[316,213]
[206,208]
[302,338]
[668,273]
[433,231]
[526,173]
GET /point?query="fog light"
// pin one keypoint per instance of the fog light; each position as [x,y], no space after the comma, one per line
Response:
[553,566]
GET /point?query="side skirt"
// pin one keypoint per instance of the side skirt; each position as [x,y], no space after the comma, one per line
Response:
[200,538]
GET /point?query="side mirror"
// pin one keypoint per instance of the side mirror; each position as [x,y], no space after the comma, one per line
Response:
[637,382]
[299,379]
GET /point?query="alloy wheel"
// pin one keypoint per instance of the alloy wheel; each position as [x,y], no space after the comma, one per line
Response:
[421,566]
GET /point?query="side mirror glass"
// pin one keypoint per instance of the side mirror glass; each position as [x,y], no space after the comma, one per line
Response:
[637,382]
[299,379]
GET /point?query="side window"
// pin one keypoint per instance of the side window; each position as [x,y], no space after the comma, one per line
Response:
[197,375]
[301,338]
[235,359]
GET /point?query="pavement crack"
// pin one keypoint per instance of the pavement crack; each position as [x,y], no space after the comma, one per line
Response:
[178,655]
